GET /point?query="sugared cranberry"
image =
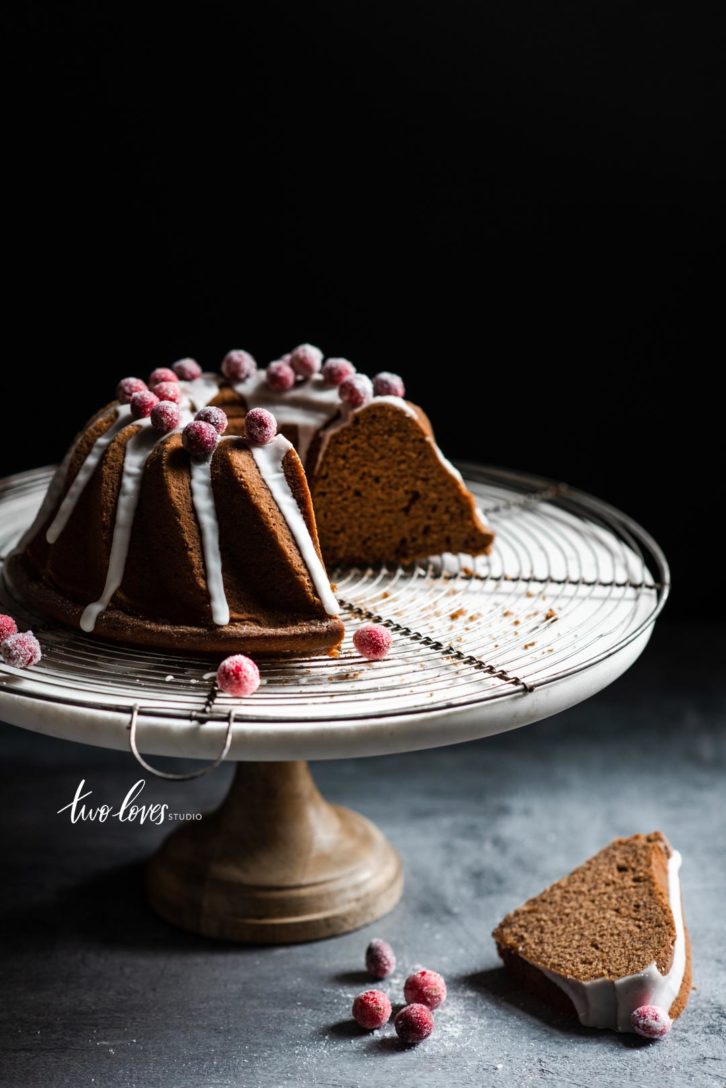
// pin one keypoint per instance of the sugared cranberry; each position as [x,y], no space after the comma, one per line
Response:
[161,374]
[168,391]
[215,416]
[21,650]
[425,988]
[413,1024]
[187,370]
[165,416]
[280,376]
[356,390]
[306,360]
[380,958]
[372,1009]
[260,426]
[238,365]
[143,403]
[8,627]
[373,641]
[127,387]
[200,439]
[335,371]
[238,675]
[386,384]
[651,1021]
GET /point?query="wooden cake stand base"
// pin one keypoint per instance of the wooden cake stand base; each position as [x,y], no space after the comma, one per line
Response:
[275,864]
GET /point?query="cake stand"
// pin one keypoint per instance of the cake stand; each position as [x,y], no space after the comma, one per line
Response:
[565,603]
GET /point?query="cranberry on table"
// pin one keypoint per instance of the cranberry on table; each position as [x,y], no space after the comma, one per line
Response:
[214,416]
[335,371]
[161,374]
[238,365]
[651,1021]
[387,384]
[165,416]
[280,376]
[168,391]
[380,958]
[373,641]
[127,387]
[238,675]
[260,426]
[187,370]
[8,627]
[200,439]
[414,1023]
[21,650]
[425,988]
[143,403]
[356,390]
[306,360]
[372,1009]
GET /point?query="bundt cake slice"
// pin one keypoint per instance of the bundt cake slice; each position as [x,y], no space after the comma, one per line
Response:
[143,542]
[608,939]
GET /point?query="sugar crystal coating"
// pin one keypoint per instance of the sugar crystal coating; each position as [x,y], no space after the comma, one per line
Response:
[356,390]
[380,958]
[651,1021]
[161,374]
[8,626]
[387,384]
[335,371]
[21,650]
[238,365]
[414,1023]
[425,988]
[168,391]
[127,387]
[215,416]
[187,370]
[165,416]
[373,641]
[200,439]
[142,404]
[238,675]
[280,376]
[260,426]
[306,360]
[372,1009]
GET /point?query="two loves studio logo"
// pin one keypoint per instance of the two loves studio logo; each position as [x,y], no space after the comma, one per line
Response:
[130,811]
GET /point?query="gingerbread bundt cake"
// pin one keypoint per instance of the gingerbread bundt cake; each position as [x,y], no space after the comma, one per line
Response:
[608,939]
[169,525]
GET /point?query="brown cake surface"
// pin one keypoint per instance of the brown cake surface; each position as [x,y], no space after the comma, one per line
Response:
[163,600]
[382,493]
[609,918]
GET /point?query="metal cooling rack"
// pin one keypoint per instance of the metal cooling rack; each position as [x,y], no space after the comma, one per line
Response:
[571,581]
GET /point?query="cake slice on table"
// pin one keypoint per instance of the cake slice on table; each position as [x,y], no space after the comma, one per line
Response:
[607,943]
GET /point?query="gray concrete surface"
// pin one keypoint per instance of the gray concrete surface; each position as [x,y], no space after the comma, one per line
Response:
[96,990]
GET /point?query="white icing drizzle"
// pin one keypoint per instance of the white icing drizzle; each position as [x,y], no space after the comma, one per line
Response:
[136,454]
[307,406]
[206,511]
[202,390]
[269,460]
[608,1003]
[66,508]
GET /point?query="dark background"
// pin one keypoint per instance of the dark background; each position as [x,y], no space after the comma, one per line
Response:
[516,205]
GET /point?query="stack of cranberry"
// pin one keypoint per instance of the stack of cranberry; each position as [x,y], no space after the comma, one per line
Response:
[423,991]
[19,649]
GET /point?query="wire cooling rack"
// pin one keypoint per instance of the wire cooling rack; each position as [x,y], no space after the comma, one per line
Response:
[570,582]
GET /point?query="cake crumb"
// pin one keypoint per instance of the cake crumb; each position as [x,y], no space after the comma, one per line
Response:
[529,593]
[529,645]
[550,614]
[458,614]
[516,623]
[508,613]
